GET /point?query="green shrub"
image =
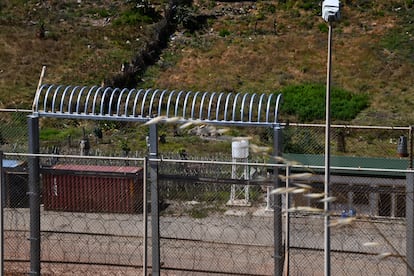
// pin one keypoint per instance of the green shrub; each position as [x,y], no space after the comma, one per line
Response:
[309,5]
[307,102]
[224,32]
[323,27]
[271,8]
[138,14]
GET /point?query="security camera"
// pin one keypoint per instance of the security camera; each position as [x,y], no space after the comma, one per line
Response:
[330,10]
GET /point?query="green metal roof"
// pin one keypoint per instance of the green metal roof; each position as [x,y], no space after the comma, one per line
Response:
[356,165]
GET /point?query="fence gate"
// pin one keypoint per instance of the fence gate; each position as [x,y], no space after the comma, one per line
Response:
[149,106]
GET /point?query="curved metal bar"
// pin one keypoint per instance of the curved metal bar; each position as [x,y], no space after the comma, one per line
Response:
[111,99]
[259,110]
[268,107]
[78,103]
[218,106]
[135,102]
[168,102]
[127,101]
[143,101]
[47,97]
[54,98]
[193,104]
[62,99]
[210,102]
[160,102]
[226,106]
[118,105]
[35,104]
[278,101]
[102,109]
[70,99]
[185,102]
[242,106]
[152,103]
[177,100]
[234,107]
[251,107]
[94,99]
[88,97]
[200,115]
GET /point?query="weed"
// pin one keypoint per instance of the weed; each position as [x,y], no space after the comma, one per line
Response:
[198,212]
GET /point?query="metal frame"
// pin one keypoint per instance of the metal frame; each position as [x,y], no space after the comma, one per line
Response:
[142,105]
[106,103]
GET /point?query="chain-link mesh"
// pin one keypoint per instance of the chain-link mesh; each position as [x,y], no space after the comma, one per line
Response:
[95,225]
[384,142]
[204,231]
[201,231]
[367,230]
[13,130]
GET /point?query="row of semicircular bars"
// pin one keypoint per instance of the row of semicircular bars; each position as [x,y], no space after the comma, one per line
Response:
[146,103]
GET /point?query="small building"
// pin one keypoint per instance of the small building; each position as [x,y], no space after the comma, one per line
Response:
[378,192]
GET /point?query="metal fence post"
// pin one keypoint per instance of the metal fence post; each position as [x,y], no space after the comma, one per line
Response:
[34,200]
[155,219]
[145,217]
[277,207]
[410,134]
[3,202]
[410,223]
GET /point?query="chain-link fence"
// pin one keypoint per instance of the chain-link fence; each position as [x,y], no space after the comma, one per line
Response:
[348,140]
[216,217]
[92,219]
[13,130]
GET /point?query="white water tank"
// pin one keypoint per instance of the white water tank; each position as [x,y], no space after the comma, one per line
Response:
[240,149]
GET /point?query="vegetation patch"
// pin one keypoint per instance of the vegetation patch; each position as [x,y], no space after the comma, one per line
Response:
[307,102]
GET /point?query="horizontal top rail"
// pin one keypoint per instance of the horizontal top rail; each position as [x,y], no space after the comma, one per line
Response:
[347,126]
[15,110]
[142,105]
[309,168]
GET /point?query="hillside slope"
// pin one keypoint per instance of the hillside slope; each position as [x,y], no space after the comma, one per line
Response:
[258,46]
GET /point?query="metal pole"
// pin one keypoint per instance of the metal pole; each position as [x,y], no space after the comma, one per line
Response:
[277,207]
[145,218]
[155,219]
[410,166]
[327,245]
[287,222]
[409,214]
[34,195]
[3,202]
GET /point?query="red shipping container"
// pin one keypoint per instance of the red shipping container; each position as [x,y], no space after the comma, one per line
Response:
[88,188]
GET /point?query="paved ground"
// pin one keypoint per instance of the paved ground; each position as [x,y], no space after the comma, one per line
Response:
[239,242]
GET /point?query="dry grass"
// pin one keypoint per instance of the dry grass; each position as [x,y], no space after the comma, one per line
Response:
[254,56]
[261,61]
[78,48]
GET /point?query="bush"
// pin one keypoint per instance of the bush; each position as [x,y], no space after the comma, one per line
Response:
[307,102]
[323,27]
[224,32]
